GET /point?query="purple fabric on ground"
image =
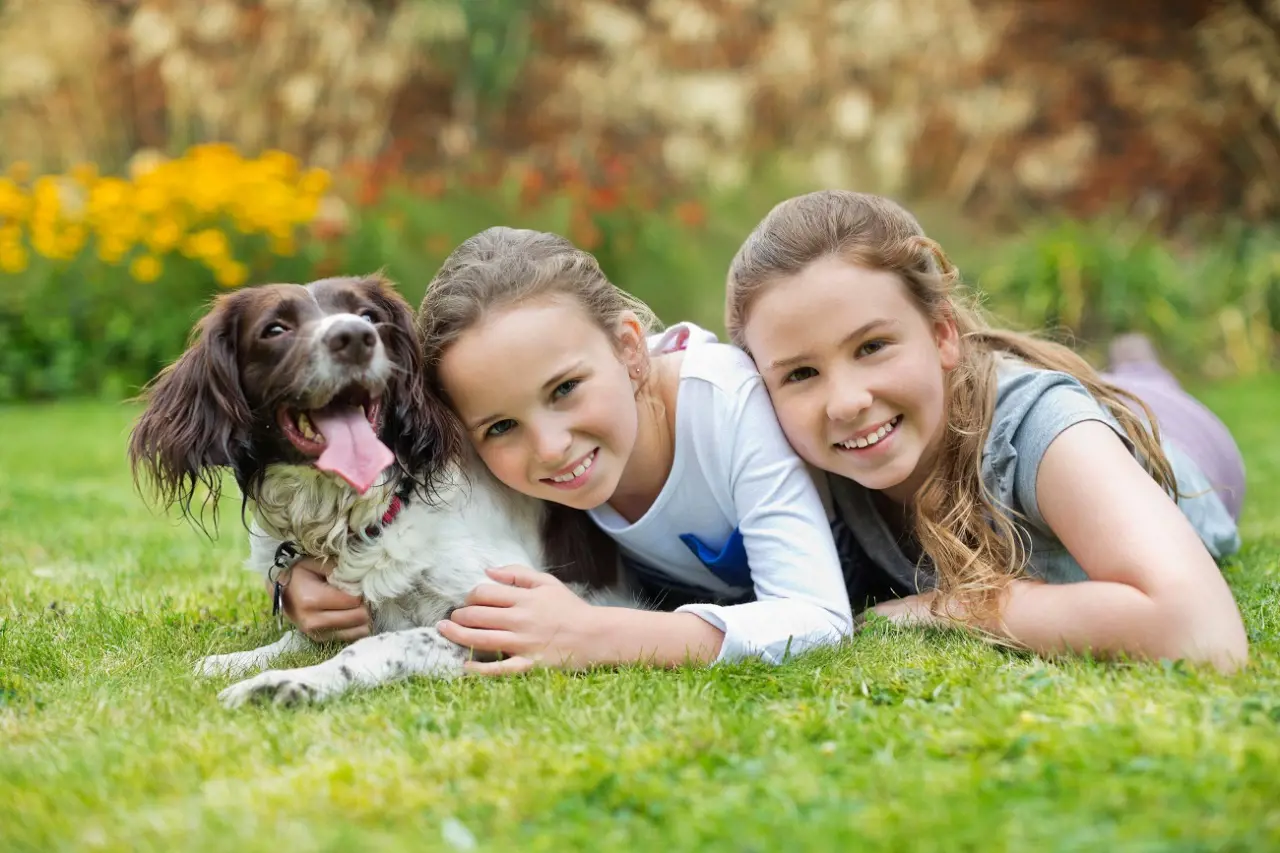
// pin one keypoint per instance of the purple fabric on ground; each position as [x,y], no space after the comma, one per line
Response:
[1187,423]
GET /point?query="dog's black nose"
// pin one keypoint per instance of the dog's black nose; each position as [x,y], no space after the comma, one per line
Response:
[351,341]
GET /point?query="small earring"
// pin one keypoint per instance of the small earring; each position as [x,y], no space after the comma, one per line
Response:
[637,371]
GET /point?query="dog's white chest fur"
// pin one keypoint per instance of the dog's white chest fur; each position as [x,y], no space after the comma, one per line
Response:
[423,563]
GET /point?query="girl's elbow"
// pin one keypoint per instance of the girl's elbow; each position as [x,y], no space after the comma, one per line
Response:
[1228,655]
[1221,643]
[1209,628]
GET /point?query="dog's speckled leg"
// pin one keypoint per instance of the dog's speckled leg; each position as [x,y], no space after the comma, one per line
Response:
[366,663]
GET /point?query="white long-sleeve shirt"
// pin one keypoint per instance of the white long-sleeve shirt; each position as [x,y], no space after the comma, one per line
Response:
[739,513]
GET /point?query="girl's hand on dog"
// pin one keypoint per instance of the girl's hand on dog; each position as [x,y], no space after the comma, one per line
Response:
[322,612]
[531,617]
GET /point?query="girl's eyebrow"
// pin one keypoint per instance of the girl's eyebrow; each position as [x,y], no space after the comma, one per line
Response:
[561,376]
[859,332]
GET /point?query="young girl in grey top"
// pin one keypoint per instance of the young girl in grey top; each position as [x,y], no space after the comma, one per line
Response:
[977,475]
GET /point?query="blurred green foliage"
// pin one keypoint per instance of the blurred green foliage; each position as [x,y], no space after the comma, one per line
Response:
[1212,307]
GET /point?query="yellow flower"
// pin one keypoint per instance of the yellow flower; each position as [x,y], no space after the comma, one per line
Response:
[112,249]
[14,203]
[314,182]
[151,199]
[107,195]
[231,273]
[209,245]
[193,203]
[48,201]
[13,259]
[146,268]
[280,163]
[44,239]
[164,236]
[85,174]
[72,240]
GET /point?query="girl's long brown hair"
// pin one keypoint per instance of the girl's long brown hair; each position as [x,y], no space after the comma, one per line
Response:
[975,545]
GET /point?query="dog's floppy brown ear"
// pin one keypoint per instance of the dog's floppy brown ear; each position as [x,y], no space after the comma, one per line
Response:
[196,415]
[419,427]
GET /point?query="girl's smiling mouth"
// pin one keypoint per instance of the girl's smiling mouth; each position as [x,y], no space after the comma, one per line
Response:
[871,438]
[574,476]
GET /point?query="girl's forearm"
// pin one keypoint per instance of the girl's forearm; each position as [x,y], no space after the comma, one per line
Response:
[1112,619]
[659,639]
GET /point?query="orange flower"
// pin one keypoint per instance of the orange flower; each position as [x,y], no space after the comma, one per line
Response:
[584,232]
[604,199]
[691,213]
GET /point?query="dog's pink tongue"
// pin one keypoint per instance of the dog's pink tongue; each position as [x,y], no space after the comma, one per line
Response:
[351,449]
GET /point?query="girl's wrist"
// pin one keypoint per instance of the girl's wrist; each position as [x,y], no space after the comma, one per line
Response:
[617,635]
[599,638]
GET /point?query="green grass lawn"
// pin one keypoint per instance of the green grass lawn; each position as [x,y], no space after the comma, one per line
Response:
[900,740]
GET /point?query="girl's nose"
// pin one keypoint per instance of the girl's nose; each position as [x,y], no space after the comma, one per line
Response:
[846,401]
[552,445]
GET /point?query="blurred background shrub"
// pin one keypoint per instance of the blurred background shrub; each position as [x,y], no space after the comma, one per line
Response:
[1092,167]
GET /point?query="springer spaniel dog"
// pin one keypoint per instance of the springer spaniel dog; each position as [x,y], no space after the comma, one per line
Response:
[313,396]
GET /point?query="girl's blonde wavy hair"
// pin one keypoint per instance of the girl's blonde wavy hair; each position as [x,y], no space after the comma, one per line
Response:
[975,546]
[501,268]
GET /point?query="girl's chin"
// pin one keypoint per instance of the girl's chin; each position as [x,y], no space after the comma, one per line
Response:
[877,478]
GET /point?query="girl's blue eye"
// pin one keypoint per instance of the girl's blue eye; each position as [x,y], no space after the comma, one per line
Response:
[500,428]
[563,389]
[800,374]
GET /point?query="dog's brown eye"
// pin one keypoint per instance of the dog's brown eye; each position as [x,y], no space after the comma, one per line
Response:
[274,330]
[370,315]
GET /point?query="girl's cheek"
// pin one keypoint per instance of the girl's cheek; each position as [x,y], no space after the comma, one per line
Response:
[497,461]
[799,433]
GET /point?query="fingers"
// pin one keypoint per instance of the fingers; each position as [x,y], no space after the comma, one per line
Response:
[487,618]
[508,666]
[522,576]
[339,625]
[346,635]
[328,621]
[322,612]
[310,591]
[494,595]
[480,639]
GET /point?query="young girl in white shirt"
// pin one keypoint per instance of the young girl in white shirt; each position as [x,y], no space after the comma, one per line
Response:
[668,442]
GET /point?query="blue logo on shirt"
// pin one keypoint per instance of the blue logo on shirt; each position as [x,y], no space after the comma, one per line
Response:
[729,563]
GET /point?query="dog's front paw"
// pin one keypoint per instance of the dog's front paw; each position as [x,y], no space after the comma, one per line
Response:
[278,686]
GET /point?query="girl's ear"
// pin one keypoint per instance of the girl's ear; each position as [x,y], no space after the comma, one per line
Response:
[947,336]
[630,340]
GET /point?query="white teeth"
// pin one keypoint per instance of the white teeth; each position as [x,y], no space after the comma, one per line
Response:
[868,440]
[576,472]
[305,427]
